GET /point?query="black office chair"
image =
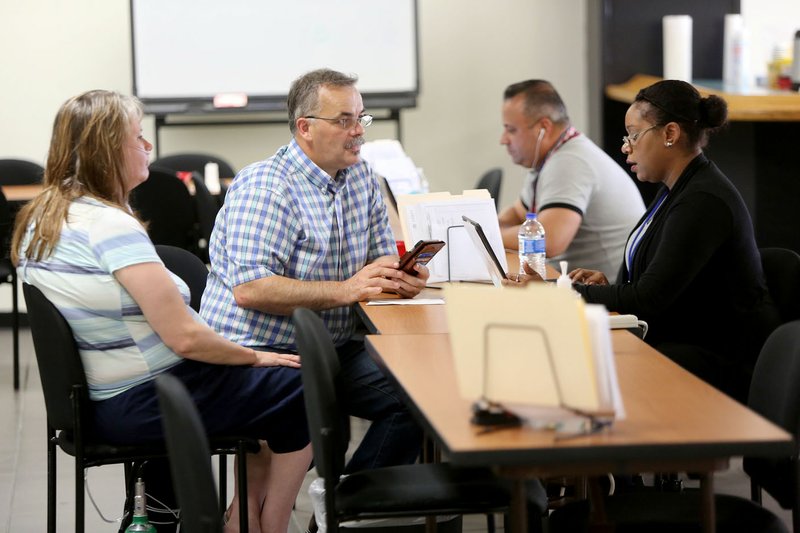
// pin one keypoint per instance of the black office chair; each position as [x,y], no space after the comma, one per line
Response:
[408,490]
[195,162]
[492,180]
[66,399]
[207,208]
[13,172]
[775,394]
[165,204]
[8,274]
[20,172]
[188,267]
[782,272]
[194,273]
[189,457]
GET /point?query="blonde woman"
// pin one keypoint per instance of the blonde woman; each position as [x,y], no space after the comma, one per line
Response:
[81,245]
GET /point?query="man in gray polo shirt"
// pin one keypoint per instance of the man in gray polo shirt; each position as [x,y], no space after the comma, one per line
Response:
[586,202]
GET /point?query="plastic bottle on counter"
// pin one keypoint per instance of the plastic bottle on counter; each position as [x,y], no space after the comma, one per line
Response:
[532,245]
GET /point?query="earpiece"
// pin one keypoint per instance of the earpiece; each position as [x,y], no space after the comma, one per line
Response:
[541,133]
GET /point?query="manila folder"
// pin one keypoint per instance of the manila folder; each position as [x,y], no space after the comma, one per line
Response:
[528,346]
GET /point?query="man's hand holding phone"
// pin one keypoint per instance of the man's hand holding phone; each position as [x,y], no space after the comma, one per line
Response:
[421,254]
[413,274]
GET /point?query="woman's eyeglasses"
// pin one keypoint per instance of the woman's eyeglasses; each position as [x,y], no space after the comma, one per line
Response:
[630,140]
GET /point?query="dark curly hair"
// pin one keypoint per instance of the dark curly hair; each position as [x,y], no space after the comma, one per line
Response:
[678,101]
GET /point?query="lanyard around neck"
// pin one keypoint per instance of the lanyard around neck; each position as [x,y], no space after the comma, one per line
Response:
[637,236]
[568,134]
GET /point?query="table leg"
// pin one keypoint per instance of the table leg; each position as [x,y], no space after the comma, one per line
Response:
[430,524]
[581,488]
[519,506]
[708,508]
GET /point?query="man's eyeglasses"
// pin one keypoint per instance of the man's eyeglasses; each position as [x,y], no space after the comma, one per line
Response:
[347,123]
[630,140]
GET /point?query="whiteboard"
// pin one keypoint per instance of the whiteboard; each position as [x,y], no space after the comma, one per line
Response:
[189,50]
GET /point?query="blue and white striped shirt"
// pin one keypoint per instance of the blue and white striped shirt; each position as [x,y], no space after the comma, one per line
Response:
[118,348]
[285,216]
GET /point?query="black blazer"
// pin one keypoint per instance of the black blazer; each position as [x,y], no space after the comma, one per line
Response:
[696,275]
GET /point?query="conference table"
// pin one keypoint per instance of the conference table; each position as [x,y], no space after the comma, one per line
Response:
[25,193]
[21,193]
[674,421]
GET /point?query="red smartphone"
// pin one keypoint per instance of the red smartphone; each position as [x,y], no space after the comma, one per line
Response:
[422,253]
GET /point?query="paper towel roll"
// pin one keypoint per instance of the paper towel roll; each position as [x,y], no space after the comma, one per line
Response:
[677,47]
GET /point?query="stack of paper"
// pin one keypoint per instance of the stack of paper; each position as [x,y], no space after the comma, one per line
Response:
[533,346]
[438,216]
[387,158]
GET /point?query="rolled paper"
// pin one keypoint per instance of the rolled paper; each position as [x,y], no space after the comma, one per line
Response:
[677,47]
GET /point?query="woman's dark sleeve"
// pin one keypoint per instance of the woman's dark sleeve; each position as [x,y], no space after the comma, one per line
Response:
[696,226]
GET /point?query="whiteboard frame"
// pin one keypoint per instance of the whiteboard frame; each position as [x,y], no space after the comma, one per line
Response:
[167,102]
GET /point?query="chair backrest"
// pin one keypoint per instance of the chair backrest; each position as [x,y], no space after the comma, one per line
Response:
[164,202]
[782,272]
[189,457]
[775,394]
[195,162]
[188,267]
[207,209]
[20,172]
[60,366]
[320,369]
[492,180]
[6,224]
[775,387]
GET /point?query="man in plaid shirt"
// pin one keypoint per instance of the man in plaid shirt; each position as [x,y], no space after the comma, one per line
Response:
[308,228]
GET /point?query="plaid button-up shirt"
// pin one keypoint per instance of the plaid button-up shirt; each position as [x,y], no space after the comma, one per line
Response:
[285,216]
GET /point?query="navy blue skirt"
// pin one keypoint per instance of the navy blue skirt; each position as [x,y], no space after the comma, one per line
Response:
[263,403]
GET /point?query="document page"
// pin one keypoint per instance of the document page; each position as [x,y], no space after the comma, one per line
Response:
[388,159]
[604,362]
[439,216]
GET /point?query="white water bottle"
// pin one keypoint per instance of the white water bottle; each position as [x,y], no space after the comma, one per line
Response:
[796,63]
[531,245]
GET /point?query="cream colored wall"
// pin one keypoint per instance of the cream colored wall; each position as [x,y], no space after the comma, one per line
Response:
[470,50]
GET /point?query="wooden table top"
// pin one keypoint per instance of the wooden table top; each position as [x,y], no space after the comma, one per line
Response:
[399,319]
[674,420]
[754,106]
[21,193]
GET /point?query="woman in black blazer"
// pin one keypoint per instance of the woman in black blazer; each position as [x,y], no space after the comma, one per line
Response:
[692,269]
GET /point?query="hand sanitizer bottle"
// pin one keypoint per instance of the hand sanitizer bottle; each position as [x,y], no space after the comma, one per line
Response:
[563,281]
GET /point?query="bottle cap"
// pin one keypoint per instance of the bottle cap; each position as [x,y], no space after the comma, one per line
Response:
[530,215]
